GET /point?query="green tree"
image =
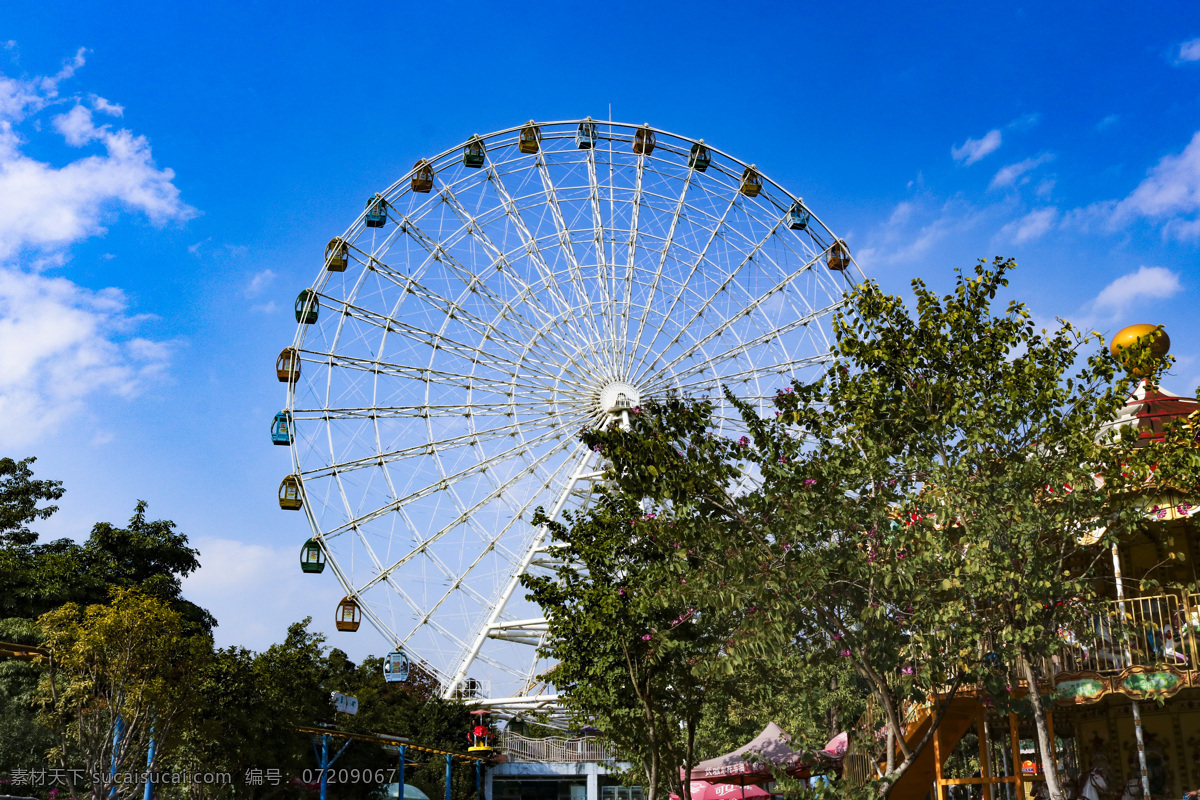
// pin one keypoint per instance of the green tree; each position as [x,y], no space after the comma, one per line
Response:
[627,661]
[20,494]
[118,676]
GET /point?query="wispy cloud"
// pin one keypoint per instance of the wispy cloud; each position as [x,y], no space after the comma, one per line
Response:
[1148,283]
[259,282]
[1008,176]
[61,344]
[1107,122]
[1170,193]
[915,231]
[48,207]
[1189,51]
[973,150]
[105,107]
[1033,225]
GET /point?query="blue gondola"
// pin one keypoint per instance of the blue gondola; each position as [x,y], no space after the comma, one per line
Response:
[307,307]
[376,211]
[585,137]
[699,158]
[798,216]
[281,428]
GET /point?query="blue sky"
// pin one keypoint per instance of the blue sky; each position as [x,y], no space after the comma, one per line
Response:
[169,174]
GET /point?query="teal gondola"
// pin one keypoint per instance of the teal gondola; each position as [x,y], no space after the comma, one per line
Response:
[699,158]
[281,428]
[376,211]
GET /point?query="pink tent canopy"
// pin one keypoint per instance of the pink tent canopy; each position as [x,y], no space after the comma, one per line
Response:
[752,762]
[703,790]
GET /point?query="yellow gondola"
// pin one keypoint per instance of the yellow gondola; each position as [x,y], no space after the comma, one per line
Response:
[751,182]
[337,255]
[531,137]
[289,494]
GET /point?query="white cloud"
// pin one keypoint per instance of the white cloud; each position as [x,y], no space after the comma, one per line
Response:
[1107,122]
[1148,283]
[234,576]
[43,206]
[264,308]
[259,282]
[974,149]
[61,344]
[1190,50]
[916,230]
[1032,226]
[105,107]
[1170,192]
[1008,176]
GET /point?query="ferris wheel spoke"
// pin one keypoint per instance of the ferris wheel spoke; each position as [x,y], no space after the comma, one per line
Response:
[424,492]
[631,352]
[427,374]
[602,266]
[694,379]
[630,260]
[746,311]
[424,545]
[448,410]
[493,544]
[700,259]
[706,304]
[434,340]
[566,243]
[472,281]
[535,255]
[744,347]
[546,429]
[453,308]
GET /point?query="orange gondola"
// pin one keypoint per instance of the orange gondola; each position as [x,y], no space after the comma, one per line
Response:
[348,616]
[287,366]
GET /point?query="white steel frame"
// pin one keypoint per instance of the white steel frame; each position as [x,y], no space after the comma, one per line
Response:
[469,340]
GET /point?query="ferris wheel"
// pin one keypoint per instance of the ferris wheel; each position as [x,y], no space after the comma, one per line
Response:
[482,311]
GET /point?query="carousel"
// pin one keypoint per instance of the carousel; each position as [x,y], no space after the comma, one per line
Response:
[1126,719]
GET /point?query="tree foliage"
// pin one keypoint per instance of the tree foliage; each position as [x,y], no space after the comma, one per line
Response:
[931,511]
[118,677]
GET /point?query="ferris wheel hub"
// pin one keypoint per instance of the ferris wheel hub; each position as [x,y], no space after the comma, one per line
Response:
[619,396]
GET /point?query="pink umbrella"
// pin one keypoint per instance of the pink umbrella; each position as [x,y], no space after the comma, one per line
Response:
[703,790]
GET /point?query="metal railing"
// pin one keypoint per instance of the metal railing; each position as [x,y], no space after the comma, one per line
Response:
[1152,631]
[551,749]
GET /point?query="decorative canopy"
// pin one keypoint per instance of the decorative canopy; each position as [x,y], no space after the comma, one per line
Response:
[753,762]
